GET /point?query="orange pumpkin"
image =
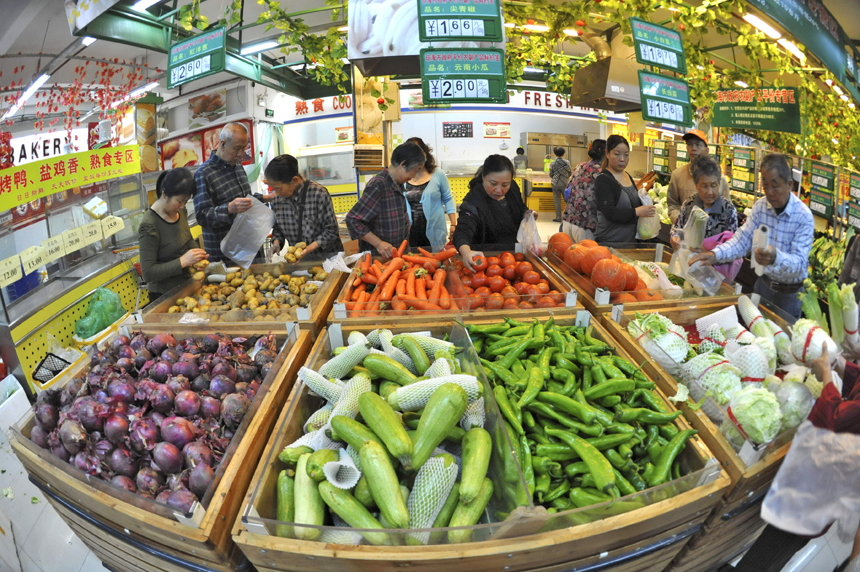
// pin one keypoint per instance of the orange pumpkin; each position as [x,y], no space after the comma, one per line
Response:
[559,243]
[623,298]
[648,295]
[632,278]
[607,274]
[592,257]
[573,257]
[641,285]
[587,243]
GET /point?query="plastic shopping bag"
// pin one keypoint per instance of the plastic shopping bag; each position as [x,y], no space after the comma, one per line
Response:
[529,236]
[248,233]
[648,226]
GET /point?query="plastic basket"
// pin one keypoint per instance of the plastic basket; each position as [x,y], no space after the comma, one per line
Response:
[49,367]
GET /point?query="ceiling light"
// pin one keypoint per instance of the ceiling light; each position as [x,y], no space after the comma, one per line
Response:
[740,83]
[536,28]
[259,47]
[762,26]
[30,91]
[343,29]
[88,41]
[838,90]
[791,47]
[142,5]
[843,97]
[510,25]
[570,32]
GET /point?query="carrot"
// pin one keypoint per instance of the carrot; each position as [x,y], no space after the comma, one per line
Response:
[445,299]
[400,289]
[398,304]
[365,264]
[357,280]
[390,285]
[357,292]
[395,264]
[369,278]
[420,291]
[428,282]
[410,284]
[422,260]
[426,253]
[359,305]
[423,305]
[375,271]
[402,248]
[436,289]
[445,254]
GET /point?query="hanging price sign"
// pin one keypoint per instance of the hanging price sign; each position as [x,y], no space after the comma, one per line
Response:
[823,175]
[10,270]
[664,99]
[196,57]
[33,258]
[658,46]
[91,232]
[54,248]
[463,76]
[660,149]
[73,240]
[821,203]
[681,154]
[854,186]
[854,215]
[460,20]
[111,225]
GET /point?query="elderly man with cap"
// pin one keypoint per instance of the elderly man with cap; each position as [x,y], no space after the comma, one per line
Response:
[681,185]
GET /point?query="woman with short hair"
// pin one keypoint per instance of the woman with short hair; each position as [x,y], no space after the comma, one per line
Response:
[429,196]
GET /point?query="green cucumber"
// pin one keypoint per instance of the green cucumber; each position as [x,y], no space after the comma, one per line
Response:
[444,516]
[443,411]
[310,508]
[290,455]
[317,461]
[417,353]
[387,388]
[387,425]
[362,493]
[286,504]
[477,445]
[468,515]
[353,512]
[353,432]
[383,484]
[387,368]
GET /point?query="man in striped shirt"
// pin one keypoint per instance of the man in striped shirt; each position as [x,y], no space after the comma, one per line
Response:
[791,228]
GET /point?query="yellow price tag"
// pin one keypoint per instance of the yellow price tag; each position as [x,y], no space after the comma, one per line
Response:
[33,258]
[10,270]
[92,232]
[73,240]
[111,225]
[54,248]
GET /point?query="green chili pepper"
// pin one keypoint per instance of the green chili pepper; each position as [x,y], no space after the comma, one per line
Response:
[526,464]
[597,375]
[610,370]
[586,379]
[633,397]
[648,416]
[505,407]
[609,388]
[668,430]
[676,470]
[648,472]
[667,456]
[543,361]
[515,323]
[582,499]
[598,466]
[588,339]
[538,330]
[535,384]
[539,438]
[515,352]
[505,375]
[623,484]
[529,420]
[517,369]
[581,358]
[608,441]
[518,331]
[561,489]
[544,465]
[565,363]
[561,503]
[558,452]
[652,401]
[549,324]
[645,384]
[615,459]
[654,451]
[609,401]
[541,486]
[576,468]
[548,412]
[662,440]
[584,413]
[603,417]
[625,451]
[500,348]
[556,340]
[634,479]
[653,432]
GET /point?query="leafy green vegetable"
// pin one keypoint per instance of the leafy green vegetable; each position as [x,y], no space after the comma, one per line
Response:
[811,308]
[835,306]
[757,412]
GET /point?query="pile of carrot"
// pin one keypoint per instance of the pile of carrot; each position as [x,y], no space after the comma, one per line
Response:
[405,282]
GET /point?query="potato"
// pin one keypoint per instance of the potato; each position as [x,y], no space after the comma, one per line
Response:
[293,300]
[204,308]
[174,310]
[253,303]
[291,257]
[304,301]
[191,303]
[261,311]
[275,283]
[299,253]
[215,318]
[266,285]
[269,318]
[236,299]
[230,276]
[281,298]
[301,245]
[320,276]
[284,278]
[252,293]
[284,314]
[236,282]
[291,250]
[311,289]
[294,288]
[315,269]
[261,298]
[273,305]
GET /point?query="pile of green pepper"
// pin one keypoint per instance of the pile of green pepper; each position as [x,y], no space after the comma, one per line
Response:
[587,425]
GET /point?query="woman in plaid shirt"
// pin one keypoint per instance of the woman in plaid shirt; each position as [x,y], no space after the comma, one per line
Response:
[303,209]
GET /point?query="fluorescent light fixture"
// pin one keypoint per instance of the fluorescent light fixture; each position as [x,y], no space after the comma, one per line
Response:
[762,26]
[838,90]
[136,93]
[791,47]
[570,32]
[740,83]
[532,69]
[828,81]
[30,91]
[536,28]
[142,5]
[343,29]
[88,41]
[259,47]
[510,25]
[843,97]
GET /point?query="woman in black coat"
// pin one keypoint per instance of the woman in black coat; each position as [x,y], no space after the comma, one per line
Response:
[492,210]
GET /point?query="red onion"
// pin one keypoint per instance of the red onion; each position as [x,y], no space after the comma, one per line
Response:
[116,428]
[157,417]
[142,356]
[221,385]
[200,383]
[121,390]
[138,342]
[102,449]
[119,341]
[160,342]
[177,480]
[181,499]
[170,355]
[187,403]
[120,407]
[160,371]
[144,435]
[87,463]
[196,453]
[233,409]
[39,436]
[224,369]
[100,396]
[210,343]
[242,387]
[125,352]
[47,416]
[125,364]
[162,398]
[123,482]
[178,431]
[209,406]
[187,369]
[97,358]
[92,414]
[167,458]
[178,383]
[148,480]
[73,436]
[61,452]
[122,462]
[163,496]
[189,357]
[245,373]
[264,356]
[264,371]
[200,478]
[50,395]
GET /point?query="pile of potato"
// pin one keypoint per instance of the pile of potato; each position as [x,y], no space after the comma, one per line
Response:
[198,270]
[245,297]
[295,253]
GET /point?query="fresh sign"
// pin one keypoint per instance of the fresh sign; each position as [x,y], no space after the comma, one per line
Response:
[196,57]
[658,46]
[664,99]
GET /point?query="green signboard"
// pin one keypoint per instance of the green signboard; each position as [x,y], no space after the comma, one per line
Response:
[854,215]
[658,46]
[463,75]
[821,203]
[743,180]
[823,176]
[772,109]
[664,99]
[854,186]
[744,159]
[660,151]
[196,57]
[460,20]
[661,164]
[681,154]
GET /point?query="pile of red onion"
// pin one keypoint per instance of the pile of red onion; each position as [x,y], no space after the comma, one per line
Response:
[154,416]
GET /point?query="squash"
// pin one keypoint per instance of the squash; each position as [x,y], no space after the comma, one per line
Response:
[587,243]
[607,274]
[623,298]
[640,285]
[559,243]
[648,295]
[573,257]
[632,277]
[592,257]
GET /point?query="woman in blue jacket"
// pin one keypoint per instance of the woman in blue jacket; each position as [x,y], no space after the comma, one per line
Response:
[429,196]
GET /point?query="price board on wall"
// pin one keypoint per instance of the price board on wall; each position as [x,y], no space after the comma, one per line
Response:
[661,157]
[460,20]
[658,46]
[821,195]
[821,203]
[743,171]
[664,99]
[853,211]
[196,57]
[854,186]
[463,76]
[854,215]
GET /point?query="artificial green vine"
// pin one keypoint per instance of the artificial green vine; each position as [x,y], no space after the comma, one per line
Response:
[190,17]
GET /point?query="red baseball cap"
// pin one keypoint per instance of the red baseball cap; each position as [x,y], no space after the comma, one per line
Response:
[695,133]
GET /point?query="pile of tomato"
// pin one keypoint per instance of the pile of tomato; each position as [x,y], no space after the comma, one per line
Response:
[507,282]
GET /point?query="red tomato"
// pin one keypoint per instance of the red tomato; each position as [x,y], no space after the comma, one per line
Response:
[496,283]
[492,260]
[557,296]
[519,256]
[495,301]
[479,279]
[466,280]
[483,292]
[524,267]
[510,304]
[510,272]
[494,270]
[510,292]
[507,259]
[475,301]
[526,306]
[546,302]
[534,293]
[468,290]
[521,288]
[531,277]
[544,289]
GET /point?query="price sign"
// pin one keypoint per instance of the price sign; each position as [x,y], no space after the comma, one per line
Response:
[92,232]
[478,20]
[681,154]
[854,186]
[664,99]
[33,258]
[661,150]
[54,248]
[854,215]
[463,76]
[823,175]
[661,165]
[821,203]
[10,270]
[658,46]
[73,240]
[196,57]
[111,225]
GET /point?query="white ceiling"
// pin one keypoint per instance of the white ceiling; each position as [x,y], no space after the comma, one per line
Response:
[847,12]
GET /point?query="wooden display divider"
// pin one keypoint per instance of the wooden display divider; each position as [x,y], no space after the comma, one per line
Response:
[311,319]
[340,315]
[587,293]
[116,525]
[645,539]
[749,484]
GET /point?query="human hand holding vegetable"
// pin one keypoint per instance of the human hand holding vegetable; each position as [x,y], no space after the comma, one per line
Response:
[473,259]
[706,258]
[675,241]
[820,367]
[192,257]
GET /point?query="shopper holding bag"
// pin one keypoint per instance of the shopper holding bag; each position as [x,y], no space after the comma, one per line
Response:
[618,203]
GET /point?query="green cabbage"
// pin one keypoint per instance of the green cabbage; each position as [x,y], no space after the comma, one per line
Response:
[757,412]
[795,401]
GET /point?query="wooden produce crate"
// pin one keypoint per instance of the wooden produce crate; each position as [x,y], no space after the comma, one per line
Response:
[311,319]
[600,302]
[747,481]
[132,533]
[645,539]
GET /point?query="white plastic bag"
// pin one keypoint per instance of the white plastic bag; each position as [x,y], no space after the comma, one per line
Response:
[529,236]
[248,233]
[648,226]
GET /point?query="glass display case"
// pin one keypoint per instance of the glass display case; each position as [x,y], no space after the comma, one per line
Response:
[327,164]
[461,168]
